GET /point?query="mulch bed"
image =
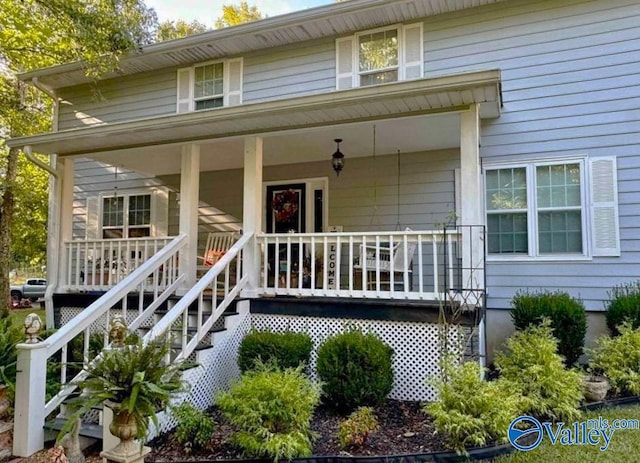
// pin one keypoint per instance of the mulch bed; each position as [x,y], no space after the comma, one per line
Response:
[403,428]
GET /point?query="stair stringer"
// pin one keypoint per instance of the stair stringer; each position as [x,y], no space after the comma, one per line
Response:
[217,368]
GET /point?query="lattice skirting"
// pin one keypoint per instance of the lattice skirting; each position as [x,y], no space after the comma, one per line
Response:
[416,346]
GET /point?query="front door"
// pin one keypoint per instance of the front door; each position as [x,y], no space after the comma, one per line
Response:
[286,208]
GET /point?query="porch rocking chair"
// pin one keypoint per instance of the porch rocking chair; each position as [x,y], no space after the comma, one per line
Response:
[388,268]
[218,243]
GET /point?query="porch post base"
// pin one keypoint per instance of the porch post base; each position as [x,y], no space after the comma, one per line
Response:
[125,452]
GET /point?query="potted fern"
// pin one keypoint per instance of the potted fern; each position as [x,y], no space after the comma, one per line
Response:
[135,381]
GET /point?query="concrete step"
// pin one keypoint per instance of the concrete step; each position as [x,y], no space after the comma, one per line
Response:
[89,433]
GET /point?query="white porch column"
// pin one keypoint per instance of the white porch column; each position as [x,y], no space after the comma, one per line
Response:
[189,198]
[252,209]
[471,199]
[60,229]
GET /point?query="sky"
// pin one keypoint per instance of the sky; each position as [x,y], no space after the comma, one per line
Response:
[207,11]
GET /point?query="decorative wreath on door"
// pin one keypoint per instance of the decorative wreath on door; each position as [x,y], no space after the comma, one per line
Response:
[285,205]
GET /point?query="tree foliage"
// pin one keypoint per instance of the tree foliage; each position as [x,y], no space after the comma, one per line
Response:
[233,15]
[169,30]
[36,34]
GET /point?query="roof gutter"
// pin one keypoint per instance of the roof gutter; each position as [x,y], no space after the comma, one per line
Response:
[56,104]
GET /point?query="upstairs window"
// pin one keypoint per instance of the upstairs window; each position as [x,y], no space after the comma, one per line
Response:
[380,56]
[210,85]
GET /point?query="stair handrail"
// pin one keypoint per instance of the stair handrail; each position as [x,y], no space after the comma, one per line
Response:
[195,293]
[94,311]
[103,304]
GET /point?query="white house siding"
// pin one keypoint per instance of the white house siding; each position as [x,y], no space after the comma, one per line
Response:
[126,98]
[571,86]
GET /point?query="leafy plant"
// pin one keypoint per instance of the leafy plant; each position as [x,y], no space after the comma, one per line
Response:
[470,411]
[355,430]
[272,411]
[619,358]
[567,315]
[135,379]
[356,369]
[624,304]
[195,428]
[532,367]
[9,337]
[287,350]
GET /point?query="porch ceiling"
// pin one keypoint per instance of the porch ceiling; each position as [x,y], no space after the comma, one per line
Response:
[402,99]
[314,23]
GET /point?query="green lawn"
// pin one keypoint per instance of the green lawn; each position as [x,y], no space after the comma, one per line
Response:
[624,446]
[17,315]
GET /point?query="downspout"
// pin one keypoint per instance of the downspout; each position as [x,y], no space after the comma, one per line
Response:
[53,224]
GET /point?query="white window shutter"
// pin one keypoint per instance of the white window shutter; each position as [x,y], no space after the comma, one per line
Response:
[604,206]
[160,208]
[93,218]
[185,90]
[233,82]
[345,63]
[413,56]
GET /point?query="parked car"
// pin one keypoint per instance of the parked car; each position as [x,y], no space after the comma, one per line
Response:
[33,289]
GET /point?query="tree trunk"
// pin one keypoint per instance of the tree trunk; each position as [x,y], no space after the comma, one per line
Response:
[6,215]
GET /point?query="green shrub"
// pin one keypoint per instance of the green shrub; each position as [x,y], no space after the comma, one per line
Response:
[624,304]
[195,428]
[272,411]
[618,358]
[355,430]
[471,412]
[532,367]
[9,337]
[567,315]
[355,369]
[288,350]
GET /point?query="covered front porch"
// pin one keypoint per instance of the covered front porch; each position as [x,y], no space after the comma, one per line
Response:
[403,219]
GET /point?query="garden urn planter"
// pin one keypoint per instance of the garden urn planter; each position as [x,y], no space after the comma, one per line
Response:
[595,388]
[124,427]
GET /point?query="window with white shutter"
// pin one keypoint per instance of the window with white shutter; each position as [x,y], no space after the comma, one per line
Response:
[552,209]
[380,56]
[210,85]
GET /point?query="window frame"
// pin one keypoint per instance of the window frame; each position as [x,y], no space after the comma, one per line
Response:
[533,210]
[232,85]
[125,211]
[217,96]
[398,67]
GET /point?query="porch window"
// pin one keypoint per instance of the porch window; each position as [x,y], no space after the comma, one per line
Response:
[537,209]
[380,56]
[126,216]
[210,85]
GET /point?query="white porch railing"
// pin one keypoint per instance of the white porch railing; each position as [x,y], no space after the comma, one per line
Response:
[98,265]
[55,351]
[412,265]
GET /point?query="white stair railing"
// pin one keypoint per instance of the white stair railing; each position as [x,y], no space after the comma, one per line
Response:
[211,295]
[34,359]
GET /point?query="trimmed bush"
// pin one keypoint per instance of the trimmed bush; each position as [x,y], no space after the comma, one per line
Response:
[618,358]
[287,350]
[471,412]
[195,428]
[623,305]
[355,369]
[355,430]
[532,367]
[271,410]
[567,315]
